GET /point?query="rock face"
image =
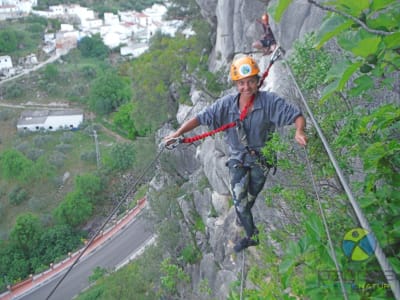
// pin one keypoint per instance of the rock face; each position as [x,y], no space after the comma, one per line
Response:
[235,30]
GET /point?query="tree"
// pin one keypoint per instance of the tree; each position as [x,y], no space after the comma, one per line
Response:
[89,185]
[8,41]
[26,233]
[123,157]
[183,9]
[74,210]
[123,119]
[55,242]
[14,165]
[93,47]
[50,73]
[108,92]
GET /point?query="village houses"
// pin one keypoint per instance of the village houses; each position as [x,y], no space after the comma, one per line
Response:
[129,30]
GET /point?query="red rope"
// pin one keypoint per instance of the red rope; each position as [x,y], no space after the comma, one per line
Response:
[243,115]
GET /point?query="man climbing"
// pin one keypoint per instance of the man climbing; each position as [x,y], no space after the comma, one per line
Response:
[267,43]
[257,114]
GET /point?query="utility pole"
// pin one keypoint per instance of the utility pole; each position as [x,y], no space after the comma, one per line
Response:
[96,142]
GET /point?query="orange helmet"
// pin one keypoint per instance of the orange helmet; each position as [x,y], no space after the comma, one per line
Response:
[265,18]
[244,67]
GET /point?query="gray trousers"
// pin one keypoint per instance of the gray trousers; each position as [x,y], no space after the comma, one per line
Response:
[246,183]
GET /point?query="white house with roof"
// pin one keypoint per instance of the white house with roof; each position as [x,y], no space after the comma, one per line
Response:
[134,50]
[50,120]
[156,12]
[111,19]
[15,8]
[7,11]
[90,24]
[66,39]
[5,62]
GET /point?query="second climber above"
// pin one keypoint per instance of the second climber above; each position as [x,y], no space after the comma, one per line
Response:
[267,42]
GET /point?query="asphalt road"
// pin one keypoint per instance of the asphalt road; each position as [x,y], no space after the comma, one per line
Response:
[114,252]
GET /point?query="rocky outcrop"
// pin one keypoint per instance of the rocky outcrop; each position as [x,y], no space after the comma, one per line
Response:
[235,30]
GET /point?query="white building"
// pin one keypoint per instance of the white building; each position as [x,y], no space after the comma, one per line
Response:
[111,19]
[5,62]
[50,120]
[90,24]
[134,50]
[15,8]
[18,2]
[156,12]
[66,39]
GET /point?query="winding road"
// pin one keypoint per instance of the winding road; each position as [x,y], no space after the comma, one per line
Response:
[120,245]
[120,249]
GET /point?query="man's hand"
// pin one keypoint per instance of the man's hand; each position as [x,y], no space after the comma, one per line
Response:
[300,137]
[171,138]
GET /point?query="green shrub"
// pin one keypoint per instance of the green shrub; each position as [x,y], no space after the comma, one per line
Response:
[17,195]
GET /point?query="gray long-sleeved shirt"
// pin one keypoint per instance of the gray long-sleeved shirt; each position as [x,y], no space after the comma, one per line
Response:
[269,111]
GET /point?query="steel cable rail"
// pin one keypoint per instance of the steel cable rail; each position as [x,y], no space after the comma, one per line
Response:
[382,259]
[106,221]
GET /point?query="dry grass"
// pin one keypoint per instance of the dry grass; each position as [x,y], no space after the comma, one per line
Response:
[45,196]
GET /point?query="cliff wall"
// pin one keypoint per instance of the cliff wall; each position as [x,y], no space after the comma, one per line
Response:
[234,30]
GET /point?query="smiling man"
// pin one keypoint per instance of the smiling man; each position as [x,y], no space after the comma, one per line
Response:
[257,114]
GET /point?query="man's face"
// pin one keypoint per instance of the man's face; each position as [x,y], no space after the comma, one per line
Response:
[247,86]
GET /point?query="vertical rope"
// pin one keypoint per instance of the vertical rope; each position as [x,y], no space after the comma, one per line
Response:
[382,259]
[321,210]
[242,277]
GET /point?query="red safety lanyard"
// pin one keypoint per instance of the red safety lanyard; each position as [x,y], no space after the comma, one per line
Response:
[243,115]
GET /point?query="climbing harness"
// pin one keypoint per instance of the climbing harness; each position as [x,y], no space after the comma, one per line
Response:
[173,143]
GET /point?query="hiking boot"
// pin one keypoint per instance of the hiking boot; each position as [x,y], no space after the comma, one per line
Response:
[246,242]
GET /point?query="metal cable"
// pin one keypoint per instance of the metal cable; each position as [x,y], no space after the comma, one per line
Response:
[321,210]
[106,221]
[383,261]
[242,276]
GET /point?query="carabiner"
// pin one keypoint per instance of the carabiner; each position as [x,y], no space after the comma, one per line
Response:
[173,143]
[278,52]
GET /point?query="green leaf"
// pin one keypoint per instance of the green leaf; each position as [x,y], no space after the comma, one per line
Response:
[329,90]
[367,46]
[355,8]
[367,201]
[348,73]
[373,154]
[392,41]
[395,264]
[314,227]
[331,27]
[363,84]
[337,69]
[377,5]
[349,40]
[386,21]
[286,265]
[342,71]
[279,9]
